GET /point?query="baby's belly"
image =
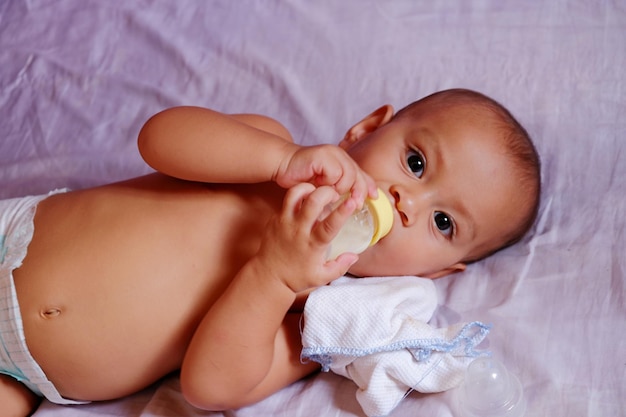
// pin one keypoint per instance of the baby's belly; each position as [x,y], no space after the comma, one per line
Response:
[97,350]
[110,300]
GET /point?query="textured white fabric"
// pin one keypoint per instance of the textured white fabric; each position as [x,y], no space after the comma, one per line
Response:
[375,332]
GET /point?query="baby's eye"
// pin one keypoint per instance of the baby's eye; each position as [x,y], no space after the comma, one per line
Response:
[444,223]
[415,162]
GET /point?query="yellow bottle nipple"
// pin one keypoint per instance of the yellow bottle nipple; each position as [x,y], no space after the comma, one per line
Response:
[382,213]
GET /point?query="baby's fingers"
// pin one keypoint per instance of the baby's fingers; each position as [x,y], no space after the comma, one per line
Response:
[295,196]
[328,227]
[315,205]
[363,187]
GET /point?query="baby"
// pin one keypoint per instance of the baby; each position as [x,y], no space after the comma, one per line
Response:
[204,266]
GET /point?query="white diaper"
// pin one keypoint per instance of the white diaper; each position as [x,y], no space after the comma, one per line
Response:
[375,332]
[16,232]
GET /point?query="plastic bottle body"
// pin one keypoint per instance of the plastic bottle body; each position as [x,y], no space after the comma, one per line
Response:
[364,227]
[356,234]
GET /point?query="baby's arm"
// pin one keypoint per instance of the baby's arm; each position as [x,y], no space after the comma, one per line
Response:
[247,345]
[199,144]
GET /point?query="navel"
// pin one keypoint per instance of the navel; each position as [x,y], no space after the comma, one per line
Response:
[50,312]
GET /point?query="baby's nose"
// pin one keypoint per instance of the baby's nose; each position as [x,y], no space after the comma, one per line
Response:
[406,203]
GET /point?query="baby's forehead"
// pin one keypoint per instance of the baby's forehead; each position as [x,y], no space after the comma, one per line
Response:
[469,113]
[468,121]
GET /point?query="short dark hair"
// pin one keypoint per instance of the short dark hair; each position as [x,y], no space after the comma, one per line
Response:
[518,143]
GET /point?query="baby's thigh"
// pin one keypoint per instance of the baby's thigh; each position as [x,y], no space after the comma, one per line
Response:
[15,398]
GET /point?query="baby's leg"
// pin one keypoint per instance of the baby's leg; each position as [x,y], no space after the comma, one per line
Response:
[15,399]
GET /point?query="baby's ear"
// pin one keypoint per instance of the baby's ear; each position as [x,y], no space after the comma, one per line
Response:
[370,123]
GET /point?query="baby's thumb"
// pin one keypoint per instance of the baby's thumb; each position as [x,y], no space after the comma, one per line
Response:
[341,265]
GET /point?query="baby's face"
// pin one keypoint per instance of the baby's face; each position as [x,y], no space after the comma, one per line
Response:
[452,186]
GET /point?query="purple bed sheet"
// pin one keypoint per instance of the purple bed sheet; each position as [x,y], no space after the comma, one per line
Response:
[79,77]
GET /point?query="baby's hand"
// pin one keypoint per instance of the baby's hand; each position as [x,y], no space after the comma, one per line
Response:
[296,242]
[326,165]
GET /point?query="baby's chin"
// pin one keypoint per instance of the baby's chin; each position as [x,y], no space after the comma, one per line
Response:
[368,266]
[362,270]
[365,269]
